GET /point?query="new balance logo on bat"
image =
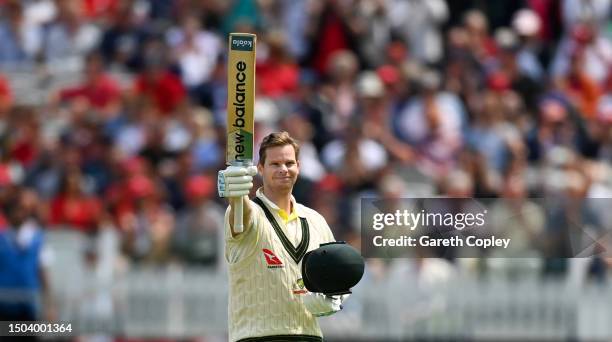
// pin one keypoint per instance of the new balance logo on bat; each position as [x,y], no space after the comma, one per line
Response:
[271,259]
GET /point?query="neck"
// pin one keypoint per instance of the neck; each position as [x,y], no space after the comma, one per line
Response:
[282,200]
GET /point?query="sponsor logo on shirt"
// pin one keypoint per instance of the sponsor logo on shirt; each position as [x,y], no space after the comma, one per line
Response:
[271,259]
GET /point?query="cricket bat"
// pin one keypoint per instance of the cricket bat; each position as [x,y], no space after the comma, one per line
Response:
[240,105]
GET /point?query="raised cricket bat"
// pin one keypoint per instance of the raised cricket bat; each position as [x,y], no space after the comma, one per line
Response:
[240,105]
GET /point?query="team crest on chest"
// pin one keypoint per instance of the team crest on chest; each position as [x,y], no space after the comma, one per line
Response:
[298,287]
[271,259]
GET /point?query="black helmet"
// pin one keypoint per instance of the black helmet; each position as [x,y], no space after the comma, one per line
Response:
[333,268]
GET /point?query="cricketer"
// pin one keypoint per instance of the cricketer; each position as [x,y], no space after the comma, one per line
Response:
[267,297]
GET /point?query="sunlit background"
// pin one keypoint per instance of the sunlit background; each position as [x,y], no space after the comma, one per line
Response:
[112,130]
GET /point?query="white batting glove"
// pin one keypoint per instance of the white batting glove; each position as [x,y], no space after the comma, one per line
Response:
[319,304]
[235,181]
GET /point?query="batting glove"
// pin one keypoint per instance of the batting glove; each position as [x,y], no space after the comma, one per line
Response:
[235,181]
[319,304]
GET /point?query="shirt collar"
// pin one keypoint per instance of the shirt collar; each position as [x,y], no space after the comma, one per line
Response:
[281,213]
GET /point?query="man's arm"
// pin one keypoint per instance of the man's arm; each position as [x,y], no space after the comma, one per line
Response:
[246,214]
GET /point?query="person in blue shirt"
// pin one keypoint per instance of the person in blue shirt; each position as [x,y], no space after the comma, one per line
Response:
[24,290]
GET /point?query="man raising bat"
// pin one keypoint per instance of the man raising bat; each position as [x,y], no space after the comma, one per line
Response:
[268,300]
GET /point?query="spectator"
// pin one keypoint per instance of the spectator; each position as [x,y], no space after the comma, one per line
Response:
[98,163]
[485,179]
[123,38]
[299,128]
[480,43]
[508,57]
[328,197]
[21,40]
[339,91]
[418,23]
[573,224]
[24,260]
[582,90]
[69,37]
[24,136]
[357,160]
[45,174]
[464,73]
[329,33]
[277,74]
[558,125]
[521,219]
[157,84]
[154,151]
[312,105]
[491,134]
[206,149]
[374,107]
[197,238]
[432,123]
[373,24]
[528,26]
[129,136]
[101,91]
[119,196]
[196,52]
[295,22]
[148,226]
[596,48]
[73,207]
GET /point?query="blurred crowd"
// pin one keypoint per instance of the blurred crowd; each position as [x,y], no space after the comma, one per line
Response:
[388,98]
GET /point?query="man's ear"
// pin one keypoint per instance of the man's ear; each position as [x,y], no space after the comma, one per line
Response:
[260,168]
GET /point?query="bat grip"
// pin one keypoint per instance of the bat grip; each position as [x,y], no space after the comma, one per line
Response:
[238,217]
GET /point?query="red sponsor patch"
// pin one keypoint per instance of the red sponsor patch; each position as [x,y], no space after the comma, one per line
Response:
[271,259]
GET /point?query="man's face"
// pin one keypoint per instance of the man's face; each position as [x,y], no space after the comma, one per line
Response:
[16,214]
[281,169]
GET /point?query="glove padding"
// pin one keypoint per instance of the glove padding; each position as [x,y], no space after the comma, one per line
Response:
[319,304]
[235,181]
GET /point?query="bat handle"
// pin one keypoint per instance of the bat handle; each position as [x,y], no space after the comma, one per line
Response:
[238,217]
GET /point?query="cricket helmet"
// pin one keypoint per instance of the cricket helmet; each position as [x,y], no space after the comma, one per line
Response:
[333,268]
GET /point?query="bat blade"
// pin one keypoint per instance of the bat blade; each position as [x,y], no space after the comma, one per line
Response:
[240,107]
[240,98]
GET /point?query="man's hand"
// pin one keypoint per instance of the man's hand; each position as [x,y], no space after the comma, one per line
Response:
[320,304]
[235,181]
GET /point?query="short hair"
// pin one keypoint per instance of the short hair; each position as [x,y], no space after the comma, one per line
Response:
[274,140]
